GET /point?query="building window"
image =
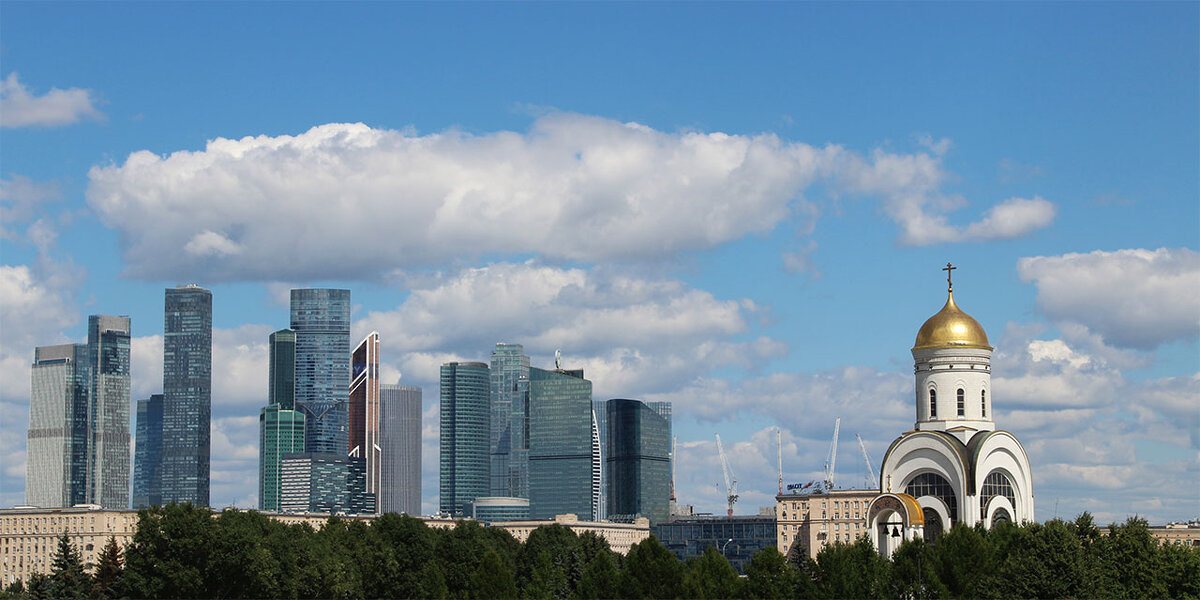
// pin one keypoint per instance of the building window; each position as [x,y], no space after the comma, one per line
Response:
[932,484]
[932,403]
[996,484]
[962,402]
[983,402]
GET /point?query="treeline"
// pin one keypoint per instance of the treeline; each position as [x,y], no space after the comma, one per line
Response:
[184,552]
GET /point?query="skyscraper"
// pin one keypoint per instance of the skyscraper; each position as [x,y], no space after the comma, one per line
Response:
[281,427]
[464,460]
[108,418]
[560,444]
[281,369]
[639,468]
[147,453]
[509,445]
[321,320]
[400,443]
[364,409]
[56,451]
[187,394]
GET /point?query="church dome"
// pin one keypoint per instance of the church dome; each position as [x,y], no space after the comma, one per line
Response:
[951,328]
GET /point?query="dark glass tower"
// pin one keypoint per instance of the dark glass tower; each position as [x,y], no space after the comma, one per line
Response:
[560,444]
[56,452]
[463,443]
[187,394]
[281,369]
[509,445]
[280,427]
[108,411]
[400,443]
[147,453]
[639,467]
[364,410]
[321,320]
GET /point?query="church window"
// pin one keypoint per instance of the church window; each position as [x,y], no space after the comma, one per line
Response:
[996,484]
[932,484]
[962,402]
[1001,516]
[932,403]
[983,402]
[933,525]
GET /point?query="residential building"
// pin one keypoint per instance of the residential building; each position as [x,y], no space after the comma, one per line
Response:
[639,467]
[509,408]
[737,538]
[400,444]
[324,482]
[56,452]
[187,395]
[809,520]
[464,460]
[147,453]
[620,536]
[561,436]
[363,409]
[108,412]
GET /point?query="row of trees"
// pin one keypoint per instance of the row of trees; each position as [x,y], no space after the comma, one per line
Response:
[184,552]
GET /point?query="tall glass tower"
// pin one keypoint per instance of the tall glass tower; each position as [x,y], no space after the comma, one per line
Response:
[56,451]
[400,442]
[280,426]
[281,369]
[364,410]
[560,444]
[187,394]
[639,468]
[321,320]
[108,411]
[463,444]
[147,453]
[509,444]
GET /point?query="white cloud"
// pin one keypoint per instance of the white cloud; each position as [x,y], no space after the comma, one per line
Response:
[20,198]
[1015,217]
[575,187]
[21,108]
[1134,298]
[35,314]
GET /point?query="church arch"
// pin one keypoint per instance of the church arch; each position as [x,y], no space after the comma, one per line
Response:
[1000,452]
[930,484]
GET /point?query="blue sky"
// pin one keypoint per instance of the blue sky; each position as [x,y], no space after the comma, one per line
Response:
[739,208]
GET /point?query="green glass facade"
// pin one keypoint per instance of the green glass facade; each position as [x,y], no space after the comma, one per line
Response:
[281,375]
[281,431]
[510,421]
[638,459]
[464,459]
[560,444]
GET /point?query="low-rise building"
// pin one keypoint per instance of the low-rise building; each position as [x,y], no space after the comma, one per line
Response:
[737,538]
[620,536]
[807,521]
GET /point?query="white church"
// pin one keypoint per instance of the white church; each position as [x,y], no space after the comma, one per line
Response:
[954,465]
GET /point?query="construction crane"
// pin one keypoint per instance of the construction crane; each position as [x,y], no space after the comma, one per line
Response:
[779,445]
[674,447]
[831,460]
[870,470]
[730,488]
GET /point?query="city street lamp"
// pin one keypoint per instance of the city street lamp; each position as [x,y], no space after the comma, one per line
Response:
[725,544]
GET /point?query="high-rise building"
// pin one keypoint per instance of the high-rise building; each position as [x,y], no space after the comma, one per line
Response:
[464,457]
[187,394]
[509,445]
[281,369]
[108,418]
[147,453]
[321,320]
[600,414]
[280,426]
[364,409]
[56,451]
[639,468]
[400,443]
[560,444]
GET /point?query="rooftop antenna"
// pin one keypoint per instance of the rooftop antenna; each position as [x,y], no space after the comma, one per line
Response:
[831,460]
[779,444]
[730,488]
[870,471]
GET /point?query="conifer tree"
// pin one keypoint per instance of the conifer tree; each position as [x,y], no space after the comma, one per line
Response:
[67,577]
[107,580]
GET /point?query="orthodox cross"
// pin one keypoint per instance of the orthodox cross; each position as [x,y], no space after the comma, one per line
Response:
[949,284]
[889,483]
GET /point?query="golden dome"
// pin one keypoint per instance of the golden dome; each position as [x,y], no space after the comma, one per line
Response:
[951,328]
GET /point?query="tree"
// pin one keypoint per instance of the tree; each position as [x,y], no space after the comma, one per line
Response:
[711,576]
[651,571]
[769,576]
[107,581]
[600,580]
[914,572]
[170,552]
[493,579]
[852,571]
[67,577]
[961,557]
[1128,560]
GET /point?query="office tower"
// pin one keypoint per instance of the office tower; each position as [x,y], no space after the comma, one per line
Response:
[321,320]
[600,414]
[560,444]
[400,444]
[280,427]
[108,418]
[147,453]
[364,409]
[57,443]
[464,459]
[187,394]
[509,444]
[597,471]
[639,469]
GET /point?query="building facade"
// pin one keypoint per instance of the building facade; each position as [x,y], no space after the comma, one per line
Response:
[490,509]
[281,369]
[108,406]
[187,395]
[400,443]
[509,406]
[638,461]
[320,319]
[324,482]
[364,409]
[464,461]
[737,538]
[620,536]
[147,453]
[57,443]
[561,432]
[806,522]
[280,433]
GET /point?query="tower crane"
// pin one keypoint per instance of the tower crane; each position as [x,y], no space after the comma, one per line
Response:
[674,449]
[831,460]
[870,470]
[779,445]
[730,488]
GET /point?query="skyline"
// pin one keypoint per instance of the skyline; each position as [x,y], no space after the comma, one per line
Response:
[741,211]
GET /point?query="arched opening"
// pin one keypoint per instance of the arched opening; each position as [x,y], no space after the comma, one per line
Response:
[962,402]
[1001,516]
[932,484]
[983,402]
[932,403]
[933,525]
[995,484]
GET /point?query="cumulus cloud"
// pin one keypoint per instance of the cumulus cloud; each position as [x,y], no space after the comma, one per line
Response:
[1134,298]
[20,198]
[19,107]
[349,201]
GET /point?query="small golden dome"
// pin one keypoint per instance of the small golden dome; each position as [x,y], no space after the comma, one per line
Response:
[951,328]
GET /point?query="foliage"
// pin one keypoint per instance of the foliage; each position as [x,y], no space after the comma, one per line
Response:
[711,576]
[106,583]
[769,576]
[67,577]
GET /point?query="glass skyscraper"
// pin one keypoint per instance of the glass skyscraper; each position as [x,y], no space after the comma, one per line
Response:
[108,418]
[509,444]
[639,467]
[187,395]
[560,444]
[280,427]
[321,320]
[400,443]
[56,451]
[281,369]
[325,482]
[464,460]
[364,409]
[147,453]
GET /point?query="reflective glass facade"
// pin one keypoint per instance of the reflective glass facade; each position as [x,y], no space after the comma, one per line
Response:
[324,482]
[639,467]
[509,440]
[363,409]
[187,395]
[108,418]
[688,538]
[56,451]
[281,369]
[321,320]
[560,444]
[400,444]
[280,432]
[463,445]
[147,453]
